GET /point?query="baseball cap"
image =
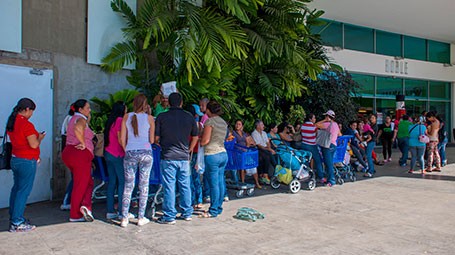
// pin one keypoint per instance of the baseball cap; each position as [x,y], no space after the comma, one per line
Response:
[330,113]
[197,109]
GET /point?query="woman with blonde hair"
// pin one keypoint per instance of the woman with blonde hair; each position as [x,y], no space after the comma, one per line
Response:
[137,135]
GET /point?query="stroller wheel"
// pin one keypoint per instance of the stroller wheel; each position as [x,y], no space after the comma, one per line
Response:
[250,192]
[340,181]
[353,178]
[275,183]
[294,186]
[239,193]
[311,184]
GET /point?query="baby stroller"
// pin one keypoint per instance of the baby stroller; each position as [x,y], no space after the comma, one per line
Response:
[298,161]
[341,167]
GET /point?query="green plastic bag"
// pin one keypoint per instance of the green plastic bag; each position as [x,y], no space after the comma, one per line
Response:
[284,174]
[249,214]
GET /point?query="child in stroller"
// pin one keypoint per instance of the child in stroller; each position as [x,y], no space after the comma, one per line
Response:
[298,162]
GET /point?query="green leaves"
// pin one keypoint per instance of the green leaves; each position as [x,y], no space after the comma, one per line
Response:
[254,56]
[122,54]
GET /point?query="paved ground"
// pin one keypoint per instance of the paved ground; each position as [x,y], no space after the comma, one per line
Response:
[393,213]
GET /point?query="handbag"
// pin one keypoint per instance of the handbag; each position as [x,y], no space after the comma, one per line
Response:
[6,153]
[422,137]
[324,136]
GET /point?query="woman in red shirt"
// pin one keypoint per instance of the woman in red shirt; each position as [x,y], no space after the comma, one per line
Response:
[25,141]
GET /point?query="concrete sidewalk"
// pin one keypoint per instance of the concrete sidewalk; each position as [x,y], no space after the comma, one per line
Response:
[393,213]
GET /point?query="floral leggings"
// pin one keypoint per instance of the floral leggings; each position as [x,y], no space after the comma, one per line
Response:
[433,155]
[141,160]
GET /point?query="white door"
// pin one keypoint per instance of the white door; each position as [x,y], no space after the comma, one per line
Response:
[16,83]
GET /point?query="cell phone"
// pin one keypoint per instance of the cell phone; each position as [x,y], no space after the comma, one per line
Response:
[43,132]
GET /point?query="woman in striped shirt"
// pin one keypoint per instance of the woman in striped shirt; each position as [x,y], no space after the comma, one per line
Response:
[309,132]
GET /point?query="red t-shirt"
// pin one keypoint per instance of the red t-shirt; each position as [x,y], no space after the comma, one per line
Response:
[22,129]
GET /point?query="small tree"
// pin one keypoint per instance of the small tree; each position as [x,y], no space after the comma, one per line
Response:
[332,90]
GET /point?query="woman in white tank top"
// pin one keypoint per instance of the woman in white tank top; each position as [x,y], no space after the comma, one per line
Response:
[137,135]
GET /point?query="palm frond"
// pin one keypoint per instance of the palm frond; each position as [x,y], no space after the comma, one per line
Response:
[122,54]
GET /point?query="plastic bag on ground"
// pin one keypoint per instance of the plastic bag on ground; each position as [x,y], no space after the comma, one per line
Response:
[249,214]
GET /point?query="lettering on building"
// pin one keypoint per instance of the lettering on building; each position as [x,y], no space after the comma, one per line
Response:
[396,66]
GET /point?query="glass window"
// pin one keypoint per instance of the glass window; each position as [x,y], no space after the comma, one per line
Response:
[358,38]
[415,48]
[438,52]
[439,90]
[386,107]
[389,87]
[366,106]
[414,108]
[416,89]
[331,33]
[366,84]
[388,43]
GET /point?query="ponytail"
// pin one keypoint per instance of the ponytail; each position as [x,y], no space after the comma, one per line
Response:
[76,106]
[22,105]
[134,125]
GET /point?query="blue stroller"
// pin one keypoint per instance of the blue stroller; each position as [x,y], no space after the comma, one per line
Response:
[99,173]
[298,161]
[342,170]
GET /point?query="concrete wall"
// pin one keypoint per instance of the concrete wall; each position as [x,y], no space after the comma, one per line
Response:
[54,37]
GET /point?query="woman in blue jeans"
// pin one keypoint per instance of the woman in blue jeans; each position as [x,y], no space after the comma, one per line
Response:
[329,124]
[416,147]
[114,154]
[25,141]
[213,136]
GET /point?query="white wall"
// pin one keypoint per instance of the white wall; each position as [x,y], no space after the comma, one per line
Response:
[11,25]
[104,29]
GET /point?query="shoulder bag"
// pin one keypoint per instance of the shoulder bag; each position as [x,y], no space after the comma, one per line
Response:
[6,152]
[324,136]
[422,137]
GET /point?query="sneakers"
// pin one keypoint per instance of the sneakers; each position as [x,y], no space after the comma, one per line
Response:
[64,207]
[87,214]
[23,227]
[131,216]
[142,221]
[77,220]
[163,221]
[181,217]
[369,175]
[124,222]
[410,171]
[207,200]
[226,199]
[389,160]
[329,185]
[403,165]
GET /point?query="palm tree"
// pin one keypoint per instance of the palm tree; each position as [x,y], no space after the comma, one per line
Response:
[252,55]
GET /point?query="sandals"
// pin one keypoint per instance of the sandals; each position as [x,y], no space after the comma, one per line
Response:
[206,215]
[198,206]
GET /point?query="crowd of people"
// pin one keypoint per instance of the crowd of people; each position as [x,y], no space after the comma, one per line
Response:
[193,155]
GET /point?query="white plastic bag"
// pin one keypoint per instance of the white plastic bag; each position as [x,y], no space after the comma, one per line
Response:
[200,163]
[251,171]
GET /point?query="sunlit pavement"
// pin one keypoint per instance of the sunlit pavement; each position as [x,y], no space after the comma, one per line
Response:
[392,213]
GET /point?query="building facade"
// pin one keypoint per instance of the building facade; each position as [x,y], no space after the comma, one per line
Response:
[387,62]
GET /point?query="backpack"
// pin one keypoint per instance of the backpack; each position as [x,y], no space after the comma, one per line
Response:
[442,133]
